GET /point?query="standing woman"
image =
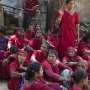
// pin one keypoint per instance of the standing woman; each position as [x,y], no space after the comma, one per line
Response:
[68,21]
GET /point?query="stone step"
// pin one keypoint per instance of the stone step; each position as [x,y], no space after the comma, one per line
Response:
[9,32]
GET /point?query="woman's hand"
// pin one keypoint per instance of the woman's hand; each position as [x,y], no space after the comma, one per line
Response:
[34,7]
[22,67]
[12,55]
[61,14]
[62,87]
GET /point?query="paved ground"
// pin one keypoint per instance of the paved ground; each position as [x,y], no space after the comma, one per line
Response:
[3,84]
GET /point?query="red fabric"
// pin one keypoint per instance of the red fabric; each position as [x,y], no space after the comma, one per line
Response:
[29,35]
[35,43]
[75,88]
[14,83]
[39,56]
[6,70]
[52,72]
[45,36]
[68,37]
[83,47]
[29,4]
[38,85]
[68,59]
[52,29]
[53,38]
[17,40]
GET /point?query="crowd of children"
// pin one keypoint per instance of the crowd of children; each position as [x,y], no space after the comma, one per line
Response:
[33,60]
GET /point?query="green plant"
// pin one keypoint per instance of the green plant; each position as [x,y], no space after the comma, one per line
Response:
[86,25]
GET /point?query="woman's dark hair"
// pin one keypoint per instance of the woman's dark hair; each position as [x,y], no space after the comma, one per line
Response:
[79,74]
[54,51]
[32,69]
[48,45]
[2,31]
[55,31]
[86,37]
[67,1]
[13,49]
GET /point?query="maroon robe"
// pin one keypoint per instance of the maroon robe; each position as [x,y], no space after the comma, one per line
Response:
[6,70]
[29,35]
[68,29]
[14,83]
[52,72]
[53,38]
[75,88]
[37,85]
[81,48]
[35,44]
[17,40]
[39,56]
[68,59]
[29,4]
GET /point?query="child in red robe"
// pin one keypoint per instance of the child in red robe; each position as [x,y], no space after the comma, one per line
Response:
[80,78]
[54,36]
[53,67]
[35,82]
[35,43]
[29,34]
[37,27]
[9,57]
[17,39]
[84,47]
[40,55]
[71,59]
[17,69]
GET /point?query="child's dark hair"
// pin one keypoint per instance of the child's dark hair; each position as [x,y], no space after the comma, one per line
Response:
[20,29]
[13,49]
[29,25]
[67,1]
[79,74]
[2,31]
[49,47]
[32,69]
[86,37]
[54,51]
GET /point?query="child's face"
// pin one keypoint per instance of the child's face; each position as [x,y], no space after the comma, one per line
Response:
[52,58]
[21,33]
[82,65]
[30,28]
[40,74]
[38,33]
[85,81]
[44,48]
[38,27]
[21,58]
[71,53]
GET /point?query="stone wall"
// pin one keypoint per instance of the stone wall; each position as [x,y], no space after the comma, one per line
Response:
[81,6]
